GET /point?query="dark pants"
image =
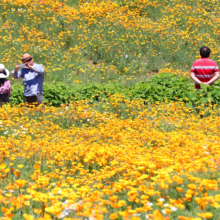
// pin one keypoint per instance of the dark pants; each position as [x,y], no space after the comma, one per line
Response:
[35,99]
[4,98]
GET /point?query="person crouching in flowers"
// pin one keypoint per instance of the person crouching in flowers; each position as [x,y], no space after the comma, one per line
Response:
[5,86]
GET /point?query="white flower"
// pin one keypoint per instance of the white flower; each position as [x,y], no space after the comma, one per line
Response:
[165,205]
[62,215]
[164,212]
[66,202]
[146,216]
[161,199]
[149,204]
[126,56]
[173,208]
[73,207]
[136,214]
[14,134]
[65,213]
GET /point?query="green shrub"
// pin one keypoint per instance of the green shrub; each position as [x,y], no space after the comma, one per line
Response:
[163,87]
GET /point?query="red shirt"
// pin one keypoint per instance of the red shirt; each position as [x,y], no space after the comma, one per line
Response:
[204,69]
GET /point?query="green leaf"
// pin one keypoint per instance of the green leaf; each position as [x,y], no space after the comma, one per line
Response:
[189,104]
[203,100]
[209,94]
[192,97]
[204,86]
[216,92]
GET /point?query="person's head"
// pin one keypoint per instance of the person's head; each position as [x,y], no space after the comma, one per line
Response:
[27,58]
[204,52]
[4,73]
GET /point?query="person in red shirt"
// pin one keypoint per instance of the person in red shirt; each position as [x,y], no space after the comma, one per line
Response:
[204,70]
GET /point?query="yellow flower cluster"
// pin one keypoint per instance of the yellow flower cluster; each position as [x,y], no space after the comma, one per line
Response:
[80,161]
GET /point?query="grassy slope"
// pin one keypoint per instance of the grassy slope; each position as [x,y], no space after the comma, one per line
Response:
[102,41]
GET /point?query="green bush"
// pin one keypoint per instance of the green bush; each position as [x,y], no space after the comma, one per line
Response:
[163,87]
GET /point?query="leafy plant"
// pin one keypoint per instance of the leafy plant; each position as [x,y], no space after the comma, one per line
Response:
[163,87]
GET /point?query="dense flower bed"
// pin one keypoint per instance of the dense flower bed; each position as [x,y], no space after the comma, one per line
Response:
[77,161]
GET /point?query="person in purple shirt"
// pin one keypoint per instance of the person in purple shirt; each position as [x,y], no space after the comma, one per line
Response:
[5,86]
[33,78]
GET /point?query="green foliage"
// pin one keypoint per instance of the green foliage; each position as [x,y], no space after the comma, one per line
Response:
[161,88]
[16,94]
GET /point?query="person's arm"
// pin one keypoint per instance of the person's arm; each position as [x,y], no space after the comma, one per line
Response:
[39,69]
[211,81]
[16,73]
[9,88]
[194,78]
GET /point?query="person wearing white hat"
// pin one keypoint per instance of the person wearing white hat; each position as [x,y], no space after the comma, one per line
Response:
[33,78]
[5,86]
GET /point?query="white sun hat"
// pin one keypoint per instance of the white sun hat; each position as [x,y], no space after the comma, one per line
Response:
[4,73]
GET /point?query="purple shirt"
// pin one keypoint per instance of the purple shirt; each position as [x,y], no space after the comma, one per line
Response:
[6,88]
[32,79]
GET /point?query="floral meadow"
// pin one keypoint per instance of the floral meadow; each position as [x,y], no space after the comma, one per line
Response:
[113,153]
[80,162]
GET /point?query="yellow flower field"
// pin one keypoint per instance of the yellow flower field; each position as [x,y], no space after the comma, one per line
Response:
[161,163]
[110,158]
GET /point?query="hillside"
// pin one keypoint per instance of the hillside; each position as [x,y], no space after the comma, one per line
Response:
[102,41]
